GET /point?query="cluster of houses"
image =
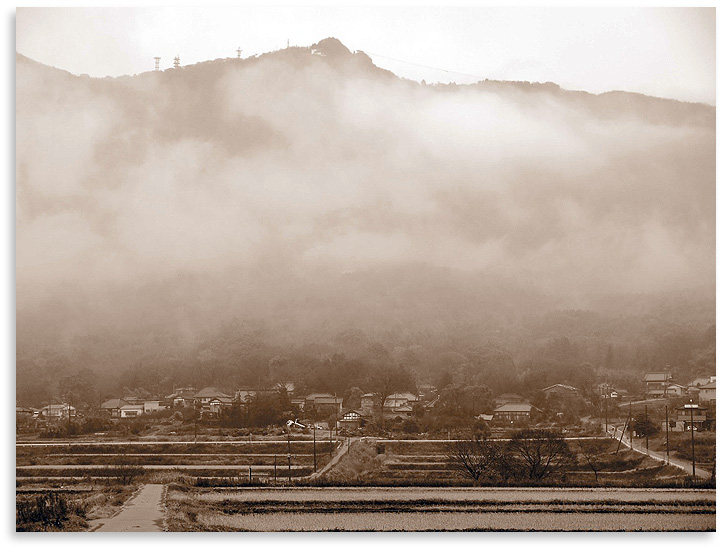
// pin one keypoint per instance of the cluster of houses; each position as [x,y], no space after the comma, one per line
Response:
[396,408]
[662,385]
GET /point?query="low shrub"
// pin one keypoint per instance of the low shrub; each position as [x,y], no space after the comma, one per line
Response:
[47,511]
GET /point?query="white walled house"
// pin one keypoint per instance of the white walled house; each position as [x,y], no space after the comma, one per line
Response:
[131,410]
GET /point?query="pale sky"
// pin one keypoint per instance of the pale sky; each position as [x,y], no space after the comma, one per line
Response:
[666,52]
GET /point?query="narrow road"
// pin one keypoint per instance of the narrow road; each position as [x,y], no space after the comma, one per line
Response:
[142,513]
[679,463]
[343,449]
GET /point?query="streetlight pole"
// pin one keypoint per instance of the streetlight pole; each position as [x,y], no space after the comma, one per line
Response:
[693,457]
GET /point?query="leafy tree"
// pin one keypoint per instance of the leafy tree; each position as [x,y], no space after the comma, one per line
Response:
[644,426]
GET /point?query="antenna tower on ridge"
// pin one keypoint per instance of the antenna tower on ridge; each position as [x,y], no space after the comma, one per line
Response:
[176,62]
[238,52]
[157,60]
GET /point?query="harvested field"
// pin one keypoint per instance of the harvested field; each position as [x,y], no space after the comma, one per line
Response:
[435,509]
[437,521]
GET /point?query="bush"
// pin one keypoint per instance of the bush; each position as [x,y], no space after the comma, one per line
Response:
[94,425]
[410,426]
[47,510]
[53,432]
[124,471]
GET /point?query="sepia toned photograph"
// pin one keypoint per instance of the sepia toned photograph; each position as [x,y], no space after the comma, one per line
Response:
[336,269]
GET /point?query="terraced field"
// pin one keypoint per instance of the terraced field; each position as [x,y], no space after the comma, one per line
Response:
[416,461]
[266,459]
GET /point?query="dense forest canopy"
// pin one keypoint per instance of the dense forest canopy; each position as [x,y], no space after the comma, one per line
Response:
[304,215]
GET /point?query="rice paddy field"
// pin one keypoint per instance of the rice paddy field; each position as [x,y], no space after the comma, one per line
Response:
[377,485]
[441,509]
[267,459]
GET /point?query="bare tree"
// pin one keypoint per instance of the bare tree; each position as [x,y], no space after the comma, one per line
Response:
[124,470]
[591,451]
[474,457]
[539,452]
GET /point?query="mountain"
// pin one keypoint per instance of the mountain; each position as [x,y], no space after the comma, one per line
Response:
[312,191]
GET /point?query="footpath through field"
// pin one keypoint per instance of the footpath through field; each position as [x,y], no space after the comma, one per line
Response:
[142,513]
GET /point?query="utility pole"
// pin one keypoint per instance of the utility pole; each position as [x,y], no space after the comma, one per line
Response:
[667,433]
[314,444]
[605,409]
[646,414]
[630,427]
[196,424]
[69,401]
[623,431]
[289,458]
[275,469]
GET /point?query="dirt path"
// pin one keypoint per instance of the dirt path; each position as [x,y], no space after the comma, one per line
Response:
[142,513]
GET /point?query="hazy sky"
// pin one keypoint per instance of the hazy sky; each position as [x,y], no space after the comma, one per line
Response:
[668,52]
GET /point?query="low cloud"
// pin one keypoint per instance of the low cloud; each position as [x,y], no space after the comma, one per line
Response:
[305,164]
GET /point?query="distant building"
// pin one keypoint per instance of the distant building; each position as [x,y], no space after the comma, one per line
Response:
[686,416]
[399,399]
[370,402]
[323,403]
[657,383]
[512,412]
[57,411]
[608,391]
[707,392]
[246,393]
[560,390]
[25,413]
[507,398]
[113,407]
[397,414]
[352,419]
[216,405]
[182,397]
[676,390]
[699,381]
[131,410]
[207,394]
[427,392]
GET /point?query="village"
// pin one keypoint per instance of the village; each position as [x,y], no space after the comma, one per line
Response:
[430,411]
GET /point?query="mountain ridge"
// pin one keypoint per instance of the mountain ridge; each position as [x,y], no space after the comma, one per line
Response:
[336,50]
